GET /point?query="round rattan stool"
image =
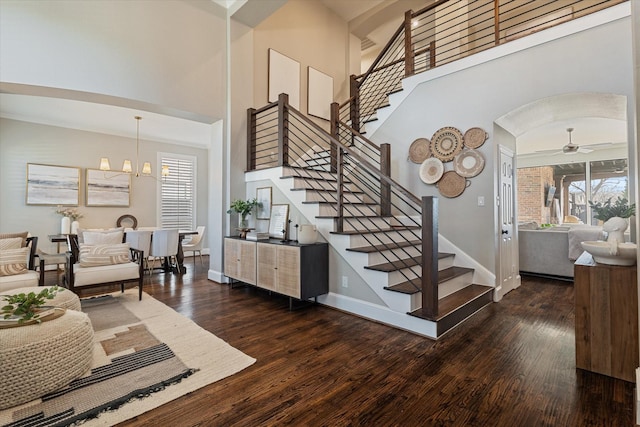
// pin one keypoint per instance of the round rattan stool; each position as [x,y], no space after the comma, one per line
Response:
[64,298]
[41,358]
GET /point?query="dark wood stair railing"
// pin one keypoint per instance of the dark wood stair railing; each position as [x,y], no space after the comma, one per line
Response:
[294,135]
[461,29]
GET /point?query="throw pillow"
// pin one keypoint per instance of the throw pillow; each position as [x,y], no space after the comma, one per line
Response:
[22,235]
[102,237]
[99,255]
[11,243]
[14,261]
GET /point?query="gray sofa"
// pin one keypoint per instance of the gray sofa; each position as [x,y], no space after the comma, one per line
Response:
[545,252]
[552,251]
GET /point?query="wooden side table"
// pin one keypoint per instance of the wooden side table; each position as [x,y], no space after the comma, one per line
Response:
[606,306]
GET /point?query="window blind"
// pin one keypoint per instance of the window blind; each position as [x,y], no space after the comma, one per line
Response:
[178,193]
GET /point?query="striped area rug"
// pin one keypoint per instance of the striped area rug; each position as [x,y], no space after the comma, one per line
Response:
[145,354]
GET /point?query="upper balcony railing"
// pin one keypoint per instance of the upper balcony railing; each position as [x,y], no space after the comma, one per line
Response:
[448,30]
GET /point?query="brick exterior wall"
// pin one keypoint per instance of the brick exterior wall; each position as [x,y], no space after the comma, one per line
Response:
[531,186]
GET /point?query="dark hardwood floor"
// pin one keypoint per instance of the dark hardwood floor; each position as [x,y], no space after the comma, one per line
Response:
[513,364]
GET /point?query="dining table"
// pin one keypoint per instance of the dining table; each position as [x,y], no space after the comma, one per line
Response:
[62,238]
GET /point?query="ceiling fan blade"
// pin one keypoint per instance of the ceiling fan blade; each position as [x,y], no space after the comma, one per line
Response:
[550,151]
[598,145]
[584,150]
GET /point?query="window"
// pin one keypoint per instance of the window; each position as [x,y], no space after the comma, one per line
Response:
[609,180]
[576,184]
[177,192]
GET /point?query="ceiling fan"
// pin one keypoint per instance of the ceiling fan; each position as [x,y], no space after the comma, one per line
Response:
[571,148]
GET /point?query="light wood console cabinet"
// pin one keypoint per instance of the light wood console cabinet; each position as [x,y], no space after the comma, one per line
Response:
[240,260]
[291,269]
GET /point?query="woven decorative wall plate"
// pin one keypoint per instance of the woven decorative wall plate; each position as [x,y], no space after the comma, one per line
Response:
[431,170]
[419,150]
[468,163]
[446,143]
[475,137]
[452,185]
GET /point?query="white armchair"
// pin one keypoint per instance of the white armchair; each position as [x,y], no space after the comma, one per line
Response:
[90,266]
[17,261]
[195,244]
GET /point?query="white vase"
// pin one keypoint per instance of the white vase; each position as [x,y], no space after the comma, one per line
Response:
[307,234]
[65,225]
[615,228]
[75,225]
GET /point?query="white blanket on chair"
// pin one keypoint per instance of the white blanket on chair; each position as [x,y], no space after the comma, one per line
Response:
[579,234]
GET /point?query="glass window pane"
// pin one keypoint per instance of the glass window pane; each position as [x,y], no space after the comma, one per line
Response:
[609,180]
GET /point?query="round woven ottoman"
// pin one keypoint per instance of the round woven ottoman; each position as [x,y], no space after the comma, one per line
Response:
[64,297]
[41,358]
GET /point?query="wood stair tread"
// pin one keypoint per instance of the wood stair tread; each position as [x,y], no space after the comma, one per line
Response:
[324,190]
[451,302]
[382,230]
[414,286]
[459,306]
[333,203]
[385,246]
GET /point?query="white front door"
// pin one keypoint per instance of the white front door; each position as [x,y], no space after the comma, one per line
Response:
[508,273]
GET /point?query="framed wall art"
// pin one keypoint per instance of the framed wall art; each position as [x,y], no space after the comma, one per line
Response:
[320,94]
[284,77]
[52,185]
[263,195]
[106,188]
[279,221]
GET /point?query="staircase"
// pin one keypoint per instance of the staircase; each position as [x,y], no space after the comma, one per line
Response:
[386,250]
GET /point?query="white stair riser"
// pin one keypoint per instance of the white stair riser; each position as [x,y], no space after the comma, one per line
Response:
[352,210]
[396,277]
[367,239]
[301,183]
[365,224]
[454,285]
[326,196]
[308,173]
[312,184]
[393,254]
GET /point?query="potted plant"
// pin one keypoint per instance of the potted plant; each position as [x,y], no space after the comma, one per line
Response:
[27,307]
[614,215]
[243,208]
[607,210]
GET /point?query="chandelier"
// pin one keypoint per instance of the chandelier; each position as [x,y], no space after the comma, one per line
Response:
[126,165]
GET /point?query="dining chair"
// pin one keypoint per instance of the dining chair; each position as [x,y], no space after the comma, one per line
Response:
[141,240]
[164,244]
[195,244]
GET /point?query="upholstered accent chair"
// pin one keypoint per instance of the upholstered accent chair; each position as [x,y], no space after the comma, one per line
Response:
[103,264]
[17,261]
[195,244]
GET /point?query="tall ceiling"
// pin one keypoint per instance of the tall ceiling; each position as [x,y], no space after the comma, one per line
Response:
[374,20]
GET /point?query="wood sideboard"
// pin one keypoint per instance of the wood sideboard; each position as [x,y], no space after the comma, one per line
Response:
[288,268]
[606,312]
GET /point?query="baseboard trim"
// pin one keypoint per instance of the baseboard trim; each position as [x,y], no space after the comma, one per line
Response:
[380,314]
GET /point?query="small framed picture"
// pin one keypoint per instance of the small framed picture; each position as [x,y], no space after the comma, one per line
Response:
[263,195]
[52,185]
[279,221]
[106,188]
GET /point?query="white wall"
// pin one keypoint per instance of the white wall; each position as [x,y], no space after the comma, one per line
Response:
[476,96]
[313,35]
[23,142]
[168,53]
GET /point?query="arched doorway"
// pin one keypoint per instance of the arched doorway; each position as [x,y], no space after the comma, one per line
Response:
[551,116]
